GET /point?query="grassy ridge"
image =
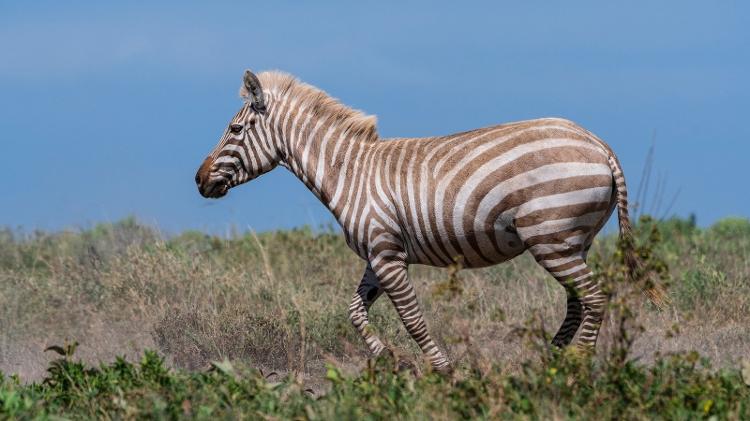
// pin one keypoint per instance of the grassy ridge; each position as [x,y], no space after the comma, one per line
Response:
[276,302]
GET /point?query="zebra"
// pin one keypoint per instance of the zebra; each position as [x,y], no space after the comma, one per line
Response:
[546,186]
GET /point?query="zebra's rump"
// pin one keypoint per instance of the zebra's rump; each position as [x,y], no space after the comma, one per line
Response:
[489,194]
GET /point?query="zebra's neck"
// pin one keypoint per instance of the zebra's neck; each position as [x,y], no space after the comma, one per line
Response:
[324,151]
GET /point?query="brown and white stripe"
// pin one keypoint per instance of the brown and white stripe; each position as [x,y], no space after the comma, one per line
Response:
[484,196]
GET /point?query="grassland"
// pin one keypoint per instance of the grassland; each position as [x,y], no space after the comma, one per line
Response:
[256,324]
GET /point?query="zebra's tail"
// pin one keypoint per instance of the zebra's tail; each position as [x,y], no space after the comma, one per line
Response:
[655,293]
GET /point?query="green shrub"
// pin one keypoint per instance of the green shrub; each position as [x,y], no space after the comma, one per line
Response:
[675,387]
[733,227]
[699,286]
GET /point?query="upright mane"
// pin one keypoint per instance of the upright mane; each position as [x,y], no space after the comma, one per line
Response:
[319,103]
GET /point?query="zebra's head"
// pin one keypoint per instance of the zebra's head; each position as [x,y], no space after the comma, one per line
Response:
[244,151]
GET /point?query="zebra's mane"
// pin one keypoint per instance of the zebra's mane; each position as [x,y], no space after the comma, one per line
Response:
[319,103]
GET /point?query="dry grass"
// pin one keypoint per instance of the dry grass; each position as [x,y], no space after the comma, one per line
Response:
[279,299]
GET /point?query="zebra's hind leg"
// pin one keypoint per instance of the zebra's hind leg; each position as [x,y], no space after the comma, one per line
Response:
[368,291]
[586,301]
[573,319]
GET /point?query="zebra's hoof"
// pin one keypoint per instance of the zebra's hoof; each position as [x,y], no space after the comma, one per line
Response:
[444,369]
[403,366]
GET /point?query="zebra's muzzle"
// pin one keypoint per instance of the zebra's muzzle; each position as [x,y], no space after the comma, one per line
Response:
[214,189]
[210,187]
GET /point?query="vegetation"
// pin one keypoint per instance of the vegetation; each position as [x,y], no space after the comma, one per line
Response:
[679,387]
[255,325]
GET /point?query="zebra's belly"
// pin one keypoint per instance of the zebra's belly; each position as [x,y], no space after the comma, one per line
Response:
[491,247]
[472,248]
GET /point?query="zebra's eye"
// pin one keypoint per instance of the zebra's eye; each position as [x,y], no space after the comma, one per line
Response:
[235,128]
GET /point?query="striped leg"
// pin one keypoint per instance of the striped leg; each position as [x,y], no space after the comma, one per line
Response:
[586,301]
[368,291]
[394,279]
[572,322]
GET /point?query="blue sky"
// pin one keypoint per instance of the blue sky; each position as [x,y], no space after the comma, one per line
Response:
[107,110]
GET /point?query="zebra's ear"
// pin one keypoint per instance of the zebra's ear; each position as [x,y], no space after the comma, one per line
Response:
[254,92]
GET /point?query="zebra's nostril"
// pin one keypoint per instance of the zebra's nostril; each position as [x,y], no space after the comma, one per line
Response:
[198,179]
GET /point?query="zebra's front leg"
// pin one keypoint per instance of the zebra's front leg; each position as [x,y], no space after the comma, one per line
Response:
[368,291]
[395,282]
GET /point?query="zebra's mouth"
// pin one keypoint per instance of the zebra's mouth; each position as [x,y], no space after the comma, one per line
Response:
[222,190]
[215,190]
